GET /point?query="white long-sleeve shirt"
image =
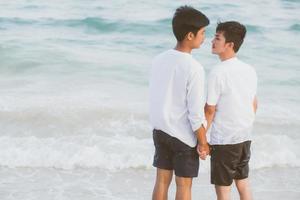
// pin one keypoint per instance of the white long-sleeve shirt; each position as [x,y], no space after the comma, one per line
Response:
[177,95]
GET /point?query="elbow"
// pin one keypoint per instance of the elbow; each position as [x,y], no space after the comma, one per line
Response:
[210,110]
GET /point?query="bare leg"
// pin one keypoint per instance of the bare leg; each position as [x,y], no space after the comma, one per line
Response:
[183,188]
[223,192]
[162,183]
[243,187]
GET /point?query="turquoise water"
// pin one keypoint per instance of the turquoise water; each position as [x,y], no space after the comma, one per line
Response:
[79,70]
[74,95]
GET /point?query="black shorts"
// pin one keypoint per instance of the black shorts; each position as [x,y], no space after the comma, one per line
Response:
[229,162]
[172,154]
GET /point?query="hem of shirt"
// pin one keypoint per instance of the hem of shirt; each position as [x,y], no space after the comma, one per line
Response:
[229,143]
[192,145]
[202,123]
[211,103]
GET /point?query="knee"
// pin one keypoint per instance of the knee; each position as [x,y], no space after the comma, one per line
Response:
[184,183]
[223,192]
[162,183]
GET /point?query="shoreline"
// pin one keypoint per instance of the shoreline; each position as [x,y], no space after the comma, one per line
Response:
[89,184]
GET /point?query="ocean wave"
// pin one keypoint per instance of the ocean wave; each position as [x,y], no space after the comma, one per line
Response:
[294,1]
[89,22]
[120,152]
[110,153]
[295,27]
[254,28]
[16,21]
[95,24]
[165,21]
[104,25]
[275,150]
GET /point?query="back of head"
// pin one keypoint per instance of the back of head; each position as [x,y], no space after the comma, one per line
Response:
[187,19]
[233,32]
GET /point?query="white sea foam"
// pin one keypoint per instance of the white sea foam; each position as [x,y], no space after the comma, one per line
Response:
[83,74]
[122,152]
[73,95]
[116,152]
[274,150]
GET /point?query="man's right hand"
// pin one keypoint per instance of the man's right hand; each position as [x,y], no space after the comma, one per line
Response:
[203,150]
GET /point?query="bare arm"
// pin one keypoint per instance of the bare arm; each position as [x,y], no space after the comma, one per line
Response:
[203,147]
[209,114]
[255,103]
[201,136]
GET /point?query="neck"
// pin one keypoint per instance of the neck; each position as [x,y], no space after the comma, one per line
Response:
[227,55]
[183,47]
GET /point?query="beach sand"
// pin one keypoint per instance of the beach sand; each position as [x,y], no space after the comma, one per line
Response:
[133,184]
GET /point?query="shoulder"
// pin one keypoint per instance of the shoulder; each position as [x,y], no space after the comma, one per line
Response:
[195,66]
[240,62]
[160,56]
[249,68]
[217,70]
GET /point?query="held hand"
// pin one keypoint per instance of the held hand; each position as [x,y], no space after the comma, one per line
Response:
[203,150]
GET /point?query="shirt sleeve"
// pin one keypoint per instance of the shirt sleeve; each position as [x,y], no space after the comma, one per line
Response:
[213,88]
[196,99]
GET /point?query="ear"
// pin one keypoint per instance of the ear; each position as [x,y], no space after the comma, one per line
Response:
[190,36]
[230,45]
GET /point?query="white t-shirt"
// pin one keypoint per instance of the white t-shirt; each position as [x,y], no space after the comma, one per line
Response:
[232,87]
[177,95]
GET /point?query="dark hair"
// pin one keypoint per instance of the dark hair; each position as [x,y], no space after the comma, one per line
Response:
[187,19]
[233,32]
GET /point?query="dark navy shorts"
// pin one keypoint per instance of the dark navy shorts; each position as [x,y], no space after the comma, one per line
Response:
[229,162]
[172,154]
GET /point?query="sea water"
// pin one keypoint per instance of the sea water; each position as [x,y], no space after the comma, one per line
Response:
[74,91]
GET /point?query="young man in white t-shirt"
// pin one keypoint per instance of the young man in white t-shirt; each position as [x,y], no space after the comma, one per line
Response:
[230,110]
[177,107]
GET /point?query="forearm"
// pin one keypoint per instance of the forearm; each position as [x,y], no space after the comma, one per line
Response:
[209,118]
[255,104]
[203,146]
[209,114]
[201,135]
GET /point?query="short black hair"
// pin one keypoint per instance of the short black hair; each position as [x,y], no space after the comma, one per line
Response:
[233,32]
[187,19]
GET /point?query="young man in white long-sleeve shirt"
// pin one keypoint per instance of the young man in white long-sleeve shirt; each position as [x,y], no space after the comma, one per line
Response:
[177,107]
